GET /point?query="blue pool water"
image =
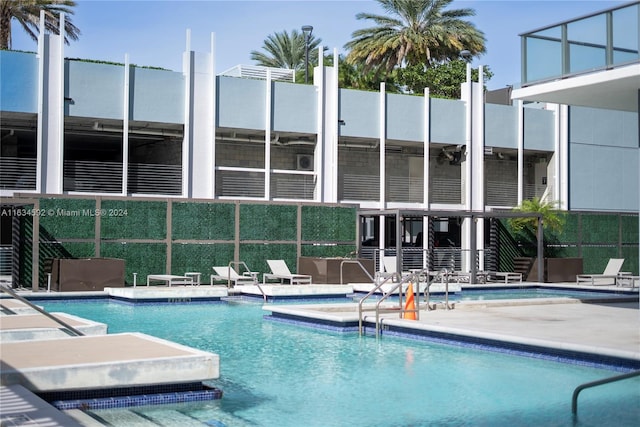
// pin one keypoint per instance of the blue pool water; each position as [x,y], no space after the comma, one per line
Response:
[275,374]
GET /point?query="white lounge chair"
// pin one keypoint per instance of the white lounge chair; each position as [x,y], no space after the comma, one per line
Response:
[280,271]
[388,264]
[608,276]
[231,276]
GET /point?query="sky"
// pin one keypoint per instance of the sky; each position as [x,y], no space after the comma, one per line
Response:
[154,32]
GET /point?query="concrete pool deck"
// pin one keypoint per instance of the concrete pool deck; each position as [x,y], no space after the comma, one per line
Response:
[610,329]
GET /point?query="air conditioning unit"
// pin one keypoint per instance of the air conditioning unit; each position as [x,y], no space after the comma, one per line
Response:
[304,162]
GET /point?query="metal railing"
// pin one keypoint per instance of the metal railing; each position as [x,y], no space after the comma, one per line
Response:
[65,325]
[576,392]
[251,274]
[412,277]
[444,275]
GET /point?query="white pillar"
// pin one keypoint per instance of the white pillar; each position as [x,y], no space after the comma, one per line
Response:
[382,132]
[199,122]
[328,105]
[426,182]
[267,136]
[51,109]
[520,142]
[125,127]
[187,71]
[426,144]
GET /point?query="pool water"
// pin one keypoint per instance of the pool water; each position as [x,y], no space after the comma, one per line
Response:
[276,374]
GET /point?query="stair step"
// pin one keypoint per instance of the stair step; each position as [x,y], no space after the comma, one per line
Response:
[170,417]
[123,417]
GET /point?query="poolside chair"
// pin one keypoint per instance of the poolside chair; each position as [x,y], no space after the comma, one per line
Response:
[280,271]
[608,276]
[388,269]
[230,275]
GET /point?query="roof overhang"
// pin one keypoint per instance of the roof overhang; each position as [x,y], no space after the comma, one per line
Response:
[614,89]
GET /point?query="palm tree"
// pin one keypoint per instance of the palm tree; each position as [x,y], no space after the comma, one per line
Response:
[27,13]
[415,32]
[284,50]
[354,76]
[525,228]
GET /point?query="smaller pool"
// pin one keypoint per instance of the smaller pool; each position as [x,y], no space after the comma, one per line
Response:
[473,293]
[468,294]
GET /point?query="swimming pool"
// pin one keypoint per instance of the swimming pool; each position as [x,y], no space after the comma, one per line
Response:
[471,293]
[275,374]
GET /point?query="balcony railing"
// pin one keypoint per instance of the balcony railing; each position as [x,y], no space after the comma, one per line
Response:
[595,42]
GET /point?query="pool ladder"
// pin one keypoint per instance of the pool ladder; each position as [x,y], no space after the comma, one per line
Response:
[444,275]
[576,392]
[413,277]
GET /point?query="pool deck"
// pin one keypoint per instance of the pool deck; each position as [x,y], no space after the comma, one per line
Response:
[600,327]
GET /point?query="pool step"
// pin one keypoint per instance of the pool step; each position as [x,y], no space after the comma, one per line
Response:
[83,418]
[169,417]
[124,417]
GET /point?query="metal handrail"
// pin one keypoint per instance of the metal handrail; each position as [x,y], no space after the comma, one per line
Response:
[354,261]
[401,310]
[252,274]
[378,287]
[41,311]
[442,273]
[576,392]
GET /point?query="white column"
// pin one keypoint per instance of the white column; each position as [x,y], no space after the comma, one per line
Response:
[466,168]
[426,144]
[187,71]
[426,182]
[328,104]
[125,127]
[211,161]
[199,122]
[51,109]
[477,142]
[382,132]
[520,142]
[267,136]
[562,157]
[319,82]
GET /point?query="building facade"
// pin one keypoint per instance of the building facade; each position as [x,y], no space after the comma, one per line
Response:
[82,128]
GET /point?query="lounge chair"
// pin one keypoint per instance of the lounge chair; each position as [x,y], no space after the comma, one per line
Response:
[280,271]
[231,276]
[388,264]
[608,276]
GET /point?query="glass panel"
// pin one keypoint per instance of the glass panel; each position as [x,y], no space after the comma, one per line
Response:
[544,58]
[584,58]
[587,40]
[625,34]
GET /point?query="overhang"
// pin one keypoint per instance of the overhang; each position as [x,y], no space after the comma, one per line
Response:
[613,89]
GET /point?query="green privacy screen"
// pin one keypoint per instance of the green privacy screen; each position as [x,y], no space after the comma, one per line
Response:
[170,236]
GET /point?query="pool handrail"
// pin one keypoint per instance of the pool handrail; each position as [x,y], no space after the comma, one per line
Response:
[248,271]
[576,392]
[41,311]
[378,287]
[444,273]
[412,277]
